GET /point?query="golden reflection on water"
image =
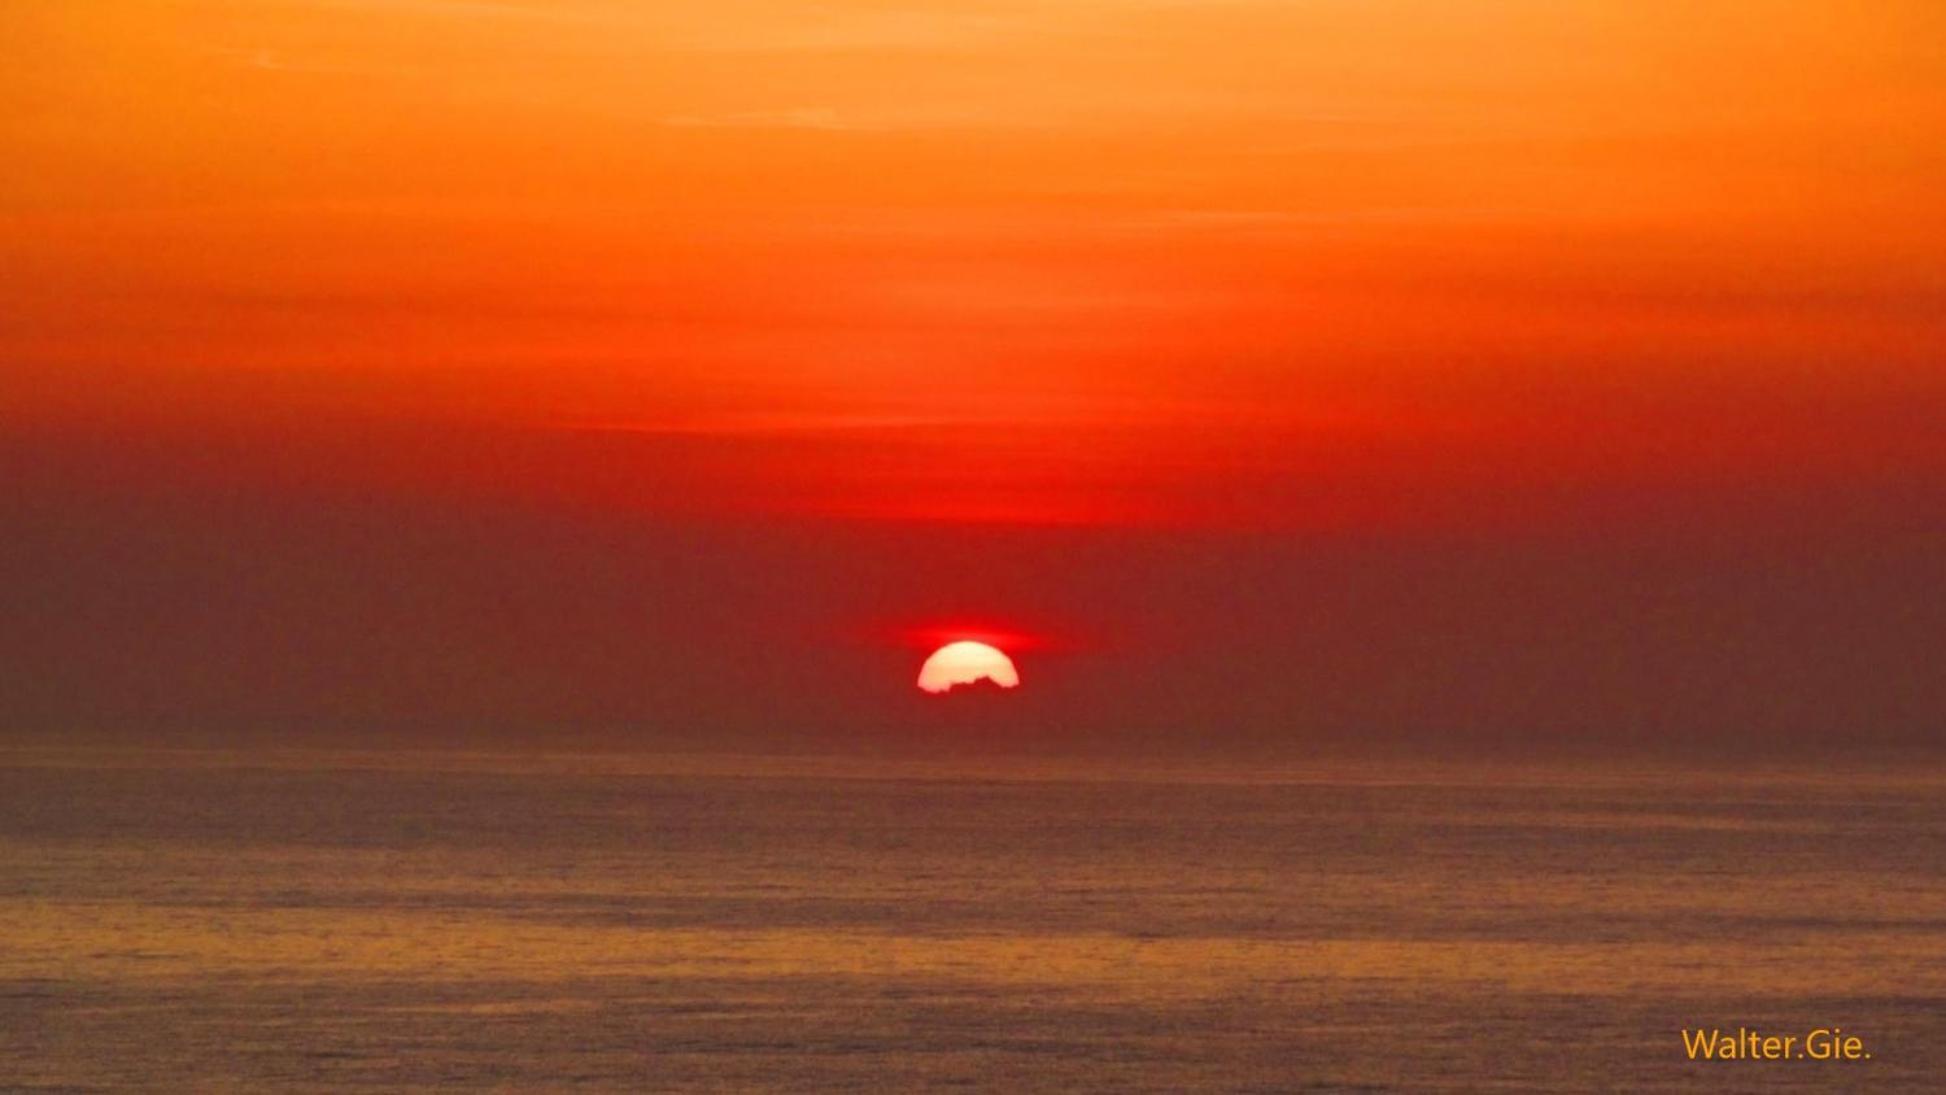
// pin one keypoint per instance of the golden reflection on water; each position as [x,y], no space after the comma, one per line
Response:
[54,939]
[385,920]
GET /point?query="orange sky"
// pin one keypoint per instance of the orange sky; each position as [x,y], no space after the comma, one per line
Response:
[1525,371]
[1092,260]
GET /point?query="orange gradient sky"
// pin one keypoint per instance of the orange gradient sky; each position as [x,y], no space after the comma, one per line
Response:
[1068,261]
[1141,293]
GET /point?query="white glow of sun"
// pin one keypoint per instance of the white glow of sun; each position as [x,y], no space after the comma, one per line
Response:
[964,663]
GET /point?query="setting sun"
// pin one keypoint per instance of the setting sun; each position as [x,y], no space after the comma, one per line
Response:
[966,663]
[1465,478]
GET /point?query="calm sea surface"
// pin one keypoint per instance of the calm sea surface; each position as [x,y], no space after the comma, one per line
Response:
[200,923]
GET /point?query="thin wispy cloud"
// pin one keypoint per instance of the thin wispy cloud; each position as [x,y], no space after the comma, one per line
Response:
[799,118]
[272,60]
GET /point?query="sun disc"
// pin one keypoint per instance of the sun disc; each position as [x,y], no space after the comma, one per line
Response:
[966,662]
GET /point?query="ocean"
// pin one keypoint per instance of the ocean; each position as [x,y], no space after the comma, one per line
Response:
[208,922]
